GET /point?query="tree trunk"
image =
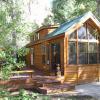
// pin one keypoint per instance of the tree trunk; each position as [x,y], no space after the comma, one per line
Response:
[98,8]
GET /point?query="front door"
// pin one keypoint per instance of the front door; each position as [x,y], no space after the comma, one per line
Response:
[55,56]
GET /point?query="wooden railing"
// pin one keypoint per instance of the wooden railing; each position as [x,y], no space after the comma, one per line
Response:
[18,73]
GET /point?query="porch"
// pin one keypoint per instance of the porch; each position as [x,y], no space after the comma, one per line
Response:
[35,80]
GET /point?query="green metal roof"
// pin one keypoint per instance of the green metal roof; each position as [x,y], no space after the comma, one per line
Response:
[65,26]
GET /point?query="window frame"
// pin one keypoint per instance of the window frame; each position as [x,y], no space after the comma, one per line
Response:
[43,52]
[86,40]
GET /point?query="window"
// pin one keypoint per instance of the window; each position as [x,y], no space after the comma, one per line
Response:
[36,36]
[83,46]
[72,53]
[43,50]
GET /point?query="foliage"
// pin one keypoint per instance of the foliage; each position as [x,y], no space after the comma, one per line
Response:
[34,27]
[4,93]
[13,28]
[10,62]
[83,6]
[64,10]
[27,95]
[10,16]
[23,95]
[48,21]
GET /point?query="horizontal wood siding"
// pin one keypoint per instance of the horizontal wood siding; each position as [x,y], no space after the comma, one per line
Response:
[38,54]
[87,73]
[37,57]
[44,32]
[79,74]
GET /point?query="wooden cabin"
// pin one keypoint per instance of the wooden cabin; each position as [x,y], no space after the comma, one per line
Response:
[74,46]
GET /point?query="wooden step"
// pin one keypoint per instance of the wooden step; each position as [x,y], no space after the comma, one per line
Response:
[55,88]
[48,82]
[18,87]
[42,84]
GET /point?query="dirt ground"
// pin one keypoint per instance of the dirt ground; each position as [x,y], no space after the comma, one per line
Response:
[90,89]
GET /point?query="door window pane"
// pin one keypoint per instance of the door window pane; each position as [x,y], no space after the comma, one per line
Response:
[72,53]
[82,47]
[55,55]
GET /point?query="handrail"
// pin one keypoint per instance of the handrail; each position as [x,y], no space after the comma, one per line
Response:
[23,71]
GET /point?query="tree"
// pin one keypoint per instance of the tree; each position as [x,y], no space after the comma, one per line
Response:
[65,10]
[62,9]
[15,31]
[98,9]
[11,26]
[48,21]
[83,6]
[11,16]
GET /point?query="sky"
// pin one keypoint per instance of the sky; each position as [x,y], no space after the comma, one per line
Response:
[39,9]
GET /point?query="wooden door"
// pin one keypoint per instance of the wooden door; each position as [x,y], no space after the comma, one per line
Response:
[55,56]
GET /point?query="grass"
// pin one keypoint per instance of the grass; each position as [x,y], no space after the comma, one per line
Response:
[27,95]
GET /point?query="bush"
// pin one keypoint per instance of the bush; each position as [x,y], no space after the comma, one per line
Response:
[23,95]
[10,61]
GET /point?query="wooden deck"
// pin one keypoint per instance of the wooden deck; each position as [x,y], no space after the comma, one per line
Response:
[40,83]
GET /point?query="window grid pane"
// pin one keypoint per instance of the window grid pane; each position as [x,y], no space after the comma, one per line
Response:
[92,53]
[82,33]
[72,53]
[83,55]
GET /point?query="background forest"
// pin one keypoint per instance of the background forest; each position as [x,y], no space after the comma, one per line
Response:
[16,27]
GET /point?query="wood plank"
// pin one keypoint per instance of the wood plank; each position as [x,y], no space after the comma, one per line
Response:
[65,54]
[22,71]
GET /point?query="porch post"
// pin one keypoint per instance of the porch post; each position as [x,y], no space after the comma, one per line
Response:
[65,55]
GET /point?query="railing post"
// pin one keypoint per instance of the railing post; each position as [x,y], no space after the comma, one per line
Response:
[58,71]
